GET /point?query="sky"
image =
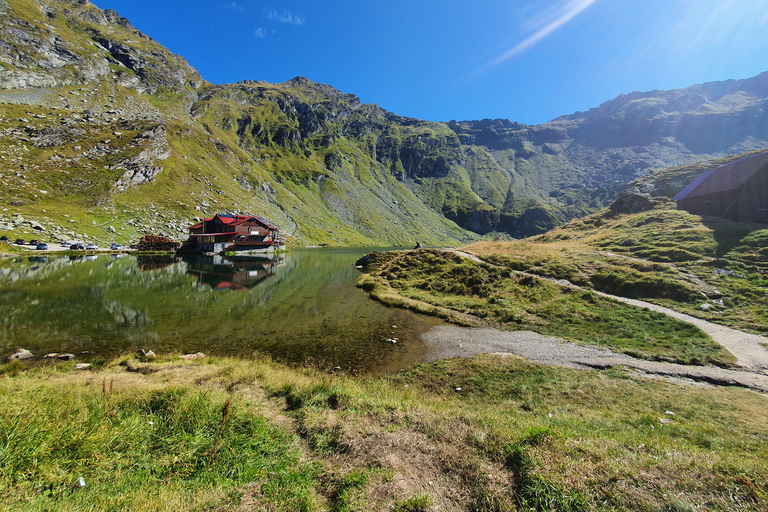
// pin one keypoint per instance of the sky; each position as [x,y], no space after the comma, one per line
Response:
[524,60]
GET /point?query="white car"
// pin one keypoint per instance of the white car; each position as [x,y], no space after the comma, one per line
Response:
[91,247]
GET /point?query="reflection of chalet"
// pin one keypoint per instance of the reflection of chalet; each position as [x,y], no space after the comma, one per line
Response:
[235,233]
[736,191]
[236,273]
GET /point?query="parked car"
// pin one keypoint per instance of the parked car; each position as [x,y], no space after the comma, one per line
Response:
[91,247]
[42,246]
[3,238]
[34,242]
[76,246]
[116,247]
[19,241]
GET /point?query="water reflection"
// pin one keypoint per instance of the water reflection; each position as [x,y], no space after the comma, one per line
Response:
[299,307]
[233,272]
[156,261]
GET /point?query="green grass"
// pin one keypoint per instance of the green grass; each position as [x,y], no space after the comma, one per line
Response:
[511,301]
[133,448]
[706,267]
[231,434]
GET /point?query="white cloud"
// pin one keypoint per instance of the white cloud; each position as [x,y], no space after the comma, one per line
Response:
[566,12]
[232,6]
[260,33]
[284,16]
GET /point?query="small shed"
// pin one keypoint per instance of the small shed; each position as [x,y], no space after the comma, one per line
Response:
[736,191]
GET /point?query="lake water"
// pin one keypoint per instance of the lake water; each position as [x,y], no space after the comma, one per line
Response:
[300,307]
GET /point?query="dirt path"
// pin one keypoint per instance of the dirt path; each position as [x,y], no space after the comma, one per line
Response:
[750,350]
[446,341]
[747,348]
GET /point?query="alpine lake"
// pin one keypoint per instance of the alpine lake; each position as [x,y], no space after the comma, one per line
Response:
[301,307]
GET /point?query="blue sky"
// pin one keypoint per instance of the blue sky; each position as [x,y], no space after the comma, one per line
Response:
[525,60]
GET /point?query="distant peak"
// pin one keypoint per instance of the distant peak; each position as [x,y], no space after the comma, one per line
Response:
[300,80]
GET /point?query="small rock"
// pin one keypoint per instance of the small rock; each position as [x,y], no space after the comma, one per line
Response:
[706,306]
[51,355]
[82,366]
[458,389]
[20,354]
[65,357]
[670,413]
[150,354]
[190,357]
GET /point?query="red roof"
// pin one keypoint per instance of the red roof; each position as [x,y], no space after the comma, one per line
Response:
[214,234]
[234,220]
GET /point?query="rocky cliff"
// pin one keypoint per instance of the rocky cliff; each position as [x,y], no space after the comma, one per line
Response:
[105,133]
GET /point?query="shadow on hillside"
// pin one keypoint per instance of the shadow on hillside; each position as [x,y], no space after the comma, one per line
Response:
[729,234]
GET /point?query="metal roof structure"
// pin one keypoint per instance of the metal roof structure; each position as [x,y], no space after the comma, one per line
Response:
[727,177]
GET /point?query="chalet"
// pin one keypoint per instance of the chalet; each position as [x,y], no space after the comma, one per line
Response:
[234,233]
[736,191]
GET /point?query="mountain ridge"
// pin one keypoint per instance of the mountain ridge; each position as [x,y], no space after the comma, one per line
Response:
[320,163]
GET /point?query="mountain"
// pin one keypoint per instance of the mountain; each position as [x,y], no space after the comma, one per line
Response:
[107,134]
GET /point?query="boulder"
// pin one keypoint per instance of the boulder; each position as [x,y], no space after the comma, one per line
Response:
[190,357]
[20,354]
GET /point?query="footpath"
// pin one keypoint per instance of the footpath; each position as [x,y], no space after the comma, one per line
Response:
[750,350]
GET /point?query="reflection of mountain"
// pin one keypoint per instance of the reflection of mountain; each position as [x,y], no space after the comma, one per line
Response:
[232,272]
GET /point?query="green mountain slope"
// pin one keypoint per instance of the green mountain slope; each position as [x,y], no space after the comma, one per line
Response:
[106,134]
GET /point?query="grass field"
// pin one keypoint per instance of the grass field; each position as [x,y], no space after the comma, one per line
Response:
[489,433]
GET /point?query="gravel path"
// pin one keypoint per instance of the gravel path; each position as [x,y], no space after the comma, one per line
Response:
[750,354]
[750,350]
[446,341]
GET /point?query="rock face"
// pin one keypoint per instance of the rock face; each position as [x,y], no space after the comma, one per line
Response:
[95,112]
[145,166]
